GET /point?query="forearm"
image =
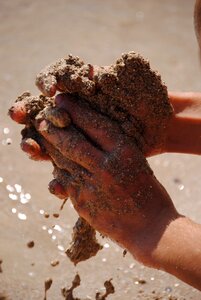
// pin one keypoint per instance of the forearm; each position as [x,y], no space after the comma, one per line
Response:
[184,132]
[172,244]
[179,251]
[184,136]
[167,241]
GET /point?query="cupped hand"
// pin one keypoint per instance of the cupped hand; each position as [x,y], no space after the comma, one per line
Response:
[106,176]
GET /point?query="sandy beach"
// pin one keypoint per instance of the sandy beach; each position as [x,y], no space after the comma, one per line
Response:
[32,35]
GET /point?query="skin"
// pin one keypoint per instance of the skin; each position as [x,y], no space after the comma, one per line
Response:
[102,167]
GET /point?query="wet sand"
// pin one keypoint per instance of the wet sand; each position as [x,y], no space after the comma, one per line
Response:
[32,35]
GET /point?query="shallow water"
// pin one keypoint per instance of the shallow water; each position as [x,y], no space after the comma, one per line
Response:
[34,33]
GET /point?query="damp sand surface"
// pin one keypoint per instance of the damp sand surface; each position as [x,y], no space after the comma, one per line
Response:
[148,29]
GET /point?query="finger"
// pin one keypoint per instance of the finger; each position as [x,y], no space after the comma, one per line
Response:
[68,75]
[33,149]
[47,83]
[57,189]
[57,116]
[63,184]
[104,132]
[31,144]
[37,148]
[78,172]
[18,112]
[72,144]
[26,107]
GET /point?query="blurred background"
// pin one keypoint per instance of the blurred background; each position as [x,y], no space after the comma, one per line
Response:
[34,34]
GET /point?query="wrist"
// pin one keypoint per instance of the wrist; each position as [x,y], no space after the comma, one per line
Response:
[172,243]
[179,251]
[142,244]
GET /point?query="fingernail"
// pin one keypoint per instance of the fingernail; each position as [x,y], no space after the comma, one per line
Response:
[30,146]
[42,126]
[33,149]
[56,188]
[46,84]
[18,113]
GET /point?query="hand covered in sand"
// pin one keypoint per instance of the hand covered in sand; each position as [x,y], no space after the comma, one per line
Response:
[102,171]
[109,181]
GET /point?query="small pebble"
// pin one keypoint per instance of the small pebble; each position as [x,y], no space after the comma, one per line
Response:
[30,244]
[54,263]
[142,281]
[46,215]
[56,215]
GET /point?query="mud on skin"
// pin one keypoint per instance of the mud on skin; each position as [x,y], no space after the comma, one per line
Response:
[37,107]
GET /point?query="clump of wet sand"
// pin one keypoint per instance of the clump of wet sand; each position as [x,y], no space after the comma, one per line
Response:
[127,91]
[84,243]
[67,293]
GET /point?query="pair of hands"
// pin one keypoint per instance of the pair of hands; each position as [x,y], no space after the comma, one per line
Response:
[104,173]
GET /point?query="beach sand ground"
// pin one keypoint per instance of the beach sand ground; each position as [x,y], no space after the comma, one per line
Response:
[32,35]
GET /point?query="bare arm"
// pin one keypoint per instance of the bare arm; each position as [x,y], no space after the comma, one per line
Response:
[171,243]
[184,131]
[179,251]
